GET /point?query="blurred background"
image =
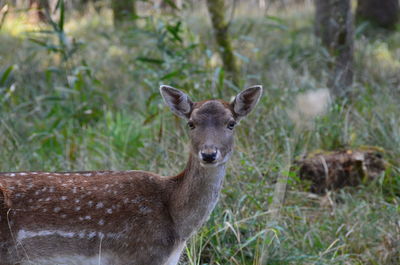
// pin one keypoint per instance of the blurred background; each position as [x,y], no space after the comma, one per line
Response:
[315,177]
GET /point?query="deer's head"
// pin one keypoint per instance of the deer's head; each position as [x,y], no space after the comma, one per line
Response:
[211,122]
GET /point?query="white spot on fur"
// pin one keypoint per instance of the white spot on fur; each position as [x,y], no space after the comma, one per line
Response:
[99,205]
[101,222]
[57,209]
[24,234]
[63,198]
[77,208]
[109,211]
[137,200]
[145,209]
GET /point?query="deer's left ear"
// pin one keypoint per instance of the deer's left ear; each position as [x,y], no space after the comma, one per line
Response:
[246,100]
[179,102]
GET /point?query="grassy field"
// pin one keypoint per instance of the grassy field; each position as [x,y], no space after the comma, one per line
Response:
[86,97]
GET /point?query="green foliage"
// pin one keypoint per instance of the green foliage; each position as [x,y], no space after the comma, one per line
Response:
[81,95]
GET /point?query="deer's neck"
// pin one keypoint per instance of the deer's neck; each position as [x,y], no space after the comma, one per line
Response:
[195,197]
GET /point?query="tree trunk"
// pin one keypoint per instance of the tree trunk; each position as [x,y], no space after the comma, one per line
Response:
[334,25]
[123,10]
[216,9]
[383,13]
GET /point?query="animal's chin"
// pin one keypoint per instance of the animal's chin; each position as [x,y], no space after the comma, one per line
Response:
[210,165]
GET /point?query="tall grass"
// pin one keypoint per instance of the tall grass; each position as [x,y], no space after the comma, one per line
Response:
[85,96]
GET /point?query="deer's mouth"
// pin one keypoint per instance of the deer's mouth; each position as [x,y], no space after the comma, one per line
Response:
[209,164]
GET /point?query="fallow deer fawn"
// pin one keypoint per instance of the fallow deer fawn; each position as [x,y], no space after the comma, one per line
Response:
[127,217]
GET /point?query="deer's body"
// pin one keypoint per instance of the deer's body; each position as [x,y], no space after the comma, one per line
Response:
[115,217]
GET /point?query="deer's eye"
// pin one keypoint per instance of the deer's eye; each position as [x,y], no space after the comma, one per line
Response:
[231,125]
[191,125]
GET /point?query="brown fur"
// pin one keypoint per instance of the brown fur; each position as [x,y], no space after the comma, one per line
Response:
[130,202]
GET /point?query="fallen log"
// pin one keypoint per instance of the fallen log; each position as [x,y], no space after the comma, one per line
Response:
[328,171]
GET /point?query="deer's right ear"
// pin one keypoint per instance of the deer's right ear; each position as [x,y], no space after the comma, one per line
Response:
[178,101]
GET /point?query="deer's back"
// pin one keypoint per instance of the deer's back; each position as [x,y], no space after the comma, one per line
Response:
[121,215]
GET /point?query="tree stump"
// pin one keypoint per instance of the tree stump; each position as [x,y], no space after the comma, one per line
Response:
[336,170]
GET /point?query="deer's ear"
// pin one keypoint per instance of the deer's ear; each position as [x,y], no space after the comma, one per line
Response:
[178,101]
[246,100]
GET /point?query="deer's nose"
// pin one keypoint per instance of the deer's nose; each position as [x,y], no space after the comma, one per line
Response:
[209,156]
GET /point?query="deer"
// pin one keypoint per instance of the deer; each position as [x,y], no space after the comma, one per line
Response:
[123,217]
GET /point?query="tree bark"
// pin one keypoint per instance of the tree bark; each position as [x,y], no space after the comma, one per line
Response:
[383,13]
[220,26]
[123,10]
[334,25]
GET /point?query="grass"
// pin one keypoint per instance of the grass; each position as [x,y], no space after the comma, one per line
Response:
[89,100]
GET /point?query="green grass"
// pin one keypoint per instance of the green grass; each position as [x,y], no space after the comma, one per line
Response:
[92,102]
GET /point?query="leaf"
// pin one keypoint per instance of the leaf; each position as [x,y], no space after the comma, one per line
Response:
[275,19]
[41,32]
[150,60]
[150,118]
[279,23]
[5,75]
[40,42]
[62,9]
[175,30]
[171,4]
[361,29]
[152,97]
[171,74]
